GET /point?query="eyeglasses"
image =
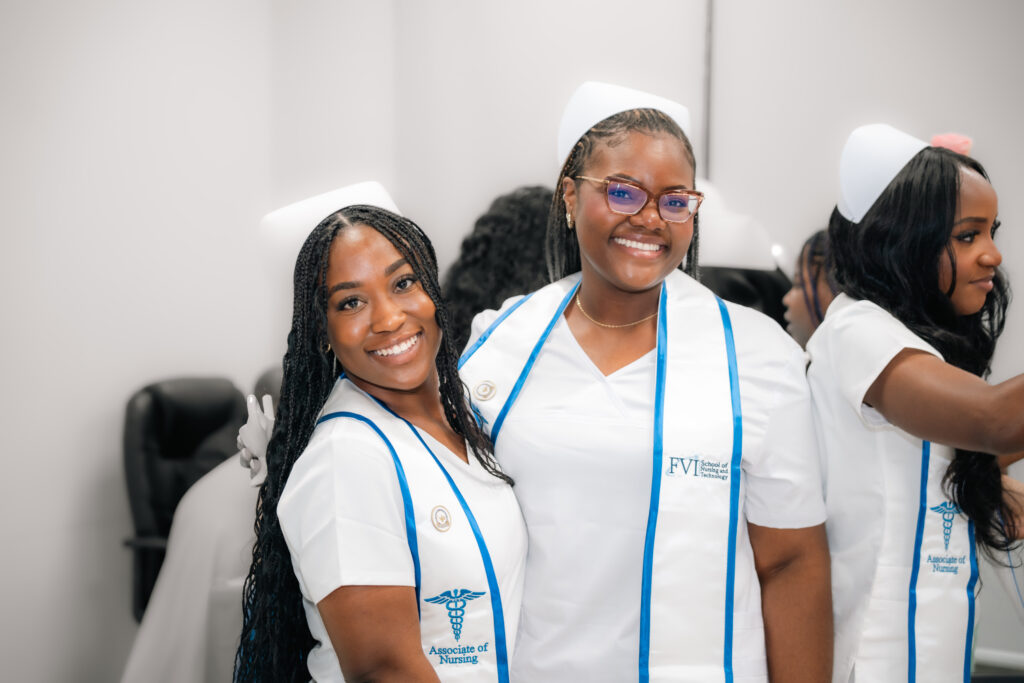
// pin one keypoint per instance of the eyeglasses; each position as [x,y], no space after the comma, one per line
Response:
[628,199]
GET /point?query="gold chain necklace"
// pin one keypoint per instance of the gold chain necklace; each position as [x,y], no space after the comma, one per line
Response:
[611,327]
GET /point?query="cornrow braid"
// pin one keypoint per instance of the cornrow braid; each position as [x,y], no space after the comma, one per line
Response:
[275,638]
[815,259]
[561,249]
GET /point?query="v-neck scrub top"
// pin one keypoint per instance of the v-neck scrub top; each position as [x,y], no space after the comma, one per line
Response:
[350,508]
[579,446]
[904,570]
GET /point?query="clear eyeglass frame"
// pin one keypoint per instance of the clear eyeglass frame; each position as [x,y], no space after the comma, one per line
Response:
[690,194]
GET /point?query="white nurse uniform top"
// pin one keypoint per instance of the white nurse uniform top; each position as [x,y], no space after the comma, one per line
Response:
[373,501]
[637,486]
[904,569]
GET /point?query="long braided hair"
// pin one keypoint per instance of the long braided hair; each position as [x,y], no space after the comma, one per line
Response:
[502,257]
[892,259]
[561,250]
[816,260]
[275,638]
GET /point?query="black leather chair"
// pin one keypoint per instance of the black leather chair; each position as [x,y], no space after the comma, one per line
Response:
[175,431]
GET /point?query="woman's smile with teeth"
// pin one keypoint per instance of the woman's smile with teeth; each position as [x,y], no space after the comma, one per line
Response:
[633,244]
[400,347]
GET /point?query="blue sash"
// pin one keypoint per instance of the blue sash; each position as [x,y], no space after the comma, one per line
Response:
[462,605]
[688,628]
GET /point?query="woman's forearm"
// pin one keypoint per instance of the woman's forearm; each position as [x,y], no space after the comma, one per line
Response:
[796,602]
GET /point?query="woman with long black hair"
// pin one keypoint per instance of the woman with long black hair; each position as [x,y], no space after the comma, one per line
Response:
[911,429]
[389,546]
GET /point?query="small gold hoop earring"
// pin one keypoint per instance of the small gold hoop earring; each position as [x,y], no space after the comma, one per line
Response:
[327,347]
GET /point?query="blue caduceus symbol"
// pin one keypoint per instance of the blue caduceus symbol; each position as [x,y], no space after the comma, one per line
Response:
[949,511]
[455,601]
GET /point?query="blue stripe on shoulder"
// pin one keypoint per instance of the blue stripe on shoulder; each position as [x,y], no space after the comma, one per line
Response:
[403,484]
[517,387]
[487,333]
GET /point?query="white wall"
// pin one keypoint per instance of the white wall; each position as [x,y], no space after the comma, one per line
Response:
[453,102]
[333,116]
[481,87]
[143,141]
[135,161]
[791,79]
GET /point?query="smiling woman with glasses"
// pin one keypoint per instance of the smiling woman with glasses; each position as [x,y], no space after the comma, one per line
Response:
[661,439]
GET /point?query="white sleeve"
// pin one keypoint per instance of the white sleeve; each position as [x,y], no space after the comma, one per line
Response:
[863,340]
[343,515]
[484,319]
[783,479]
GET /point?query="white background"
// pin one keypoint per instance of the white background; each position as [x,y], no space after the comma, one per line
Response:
[143,141]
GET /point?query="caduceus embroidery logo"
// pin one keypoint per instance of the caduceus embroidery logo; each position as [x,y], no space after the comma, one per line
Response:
[455,602]
[949,511]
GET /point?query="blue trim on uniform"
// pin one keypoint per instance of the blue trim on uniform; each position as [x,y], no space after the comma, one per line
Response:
[487,333]
[403,484]
[652,512]
[969,647]
[922,510]
[734,487]
[500,419]
[500,645]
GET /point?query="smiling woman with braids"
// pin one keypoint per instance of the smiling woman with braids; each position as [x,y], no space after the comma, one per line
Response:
[389,546]
[661,439]
[908,423]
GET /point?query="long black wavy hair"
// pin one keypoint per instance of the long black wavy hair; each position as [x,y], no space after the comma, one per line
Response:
[275,638]
[892,258]
[561,250]
[502,257]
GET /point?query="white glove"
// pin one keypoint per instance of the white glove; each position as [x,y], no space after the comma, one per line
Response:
[254,436]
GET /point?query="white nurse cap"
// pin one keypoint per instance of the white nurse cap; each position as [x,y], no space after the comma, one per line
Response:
[872,157]
[730,239]
[593,102]
[301,217]
[283,232]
